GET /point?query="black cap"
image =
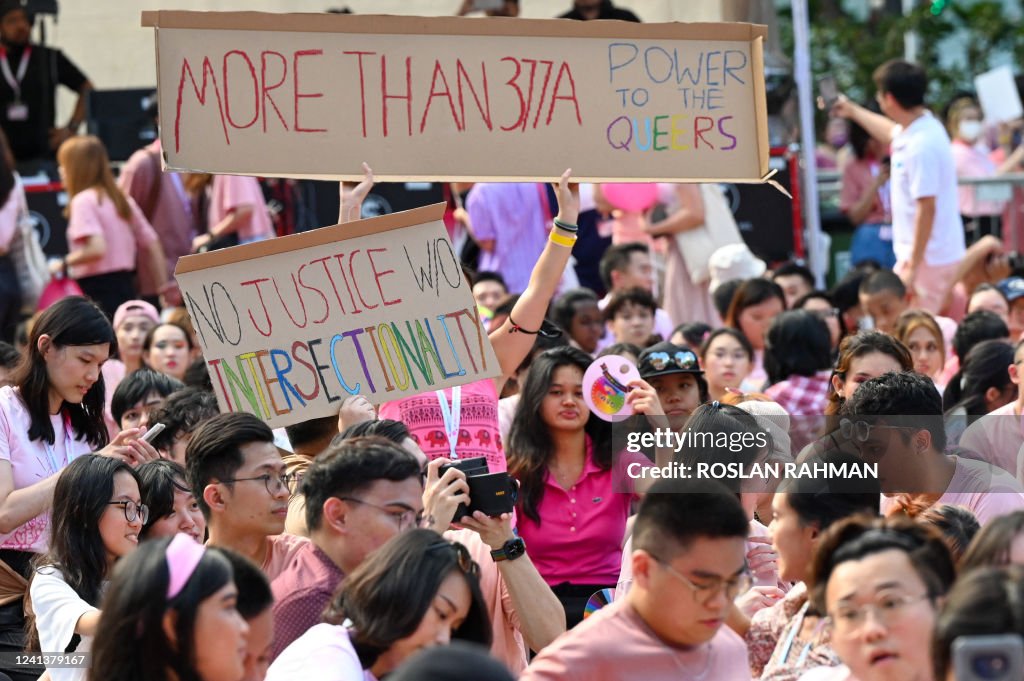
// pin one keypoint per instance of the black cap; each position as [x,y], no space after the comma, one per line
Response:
[662,359]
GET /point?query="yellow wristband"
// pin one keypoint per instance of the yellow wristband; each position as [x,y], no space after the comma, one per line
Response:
[561,239]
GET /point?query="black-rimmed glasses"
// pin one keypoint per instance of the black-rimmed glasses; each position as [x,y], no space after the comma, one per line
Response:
[132,511]
[860,431]
[465,561]
[273,483]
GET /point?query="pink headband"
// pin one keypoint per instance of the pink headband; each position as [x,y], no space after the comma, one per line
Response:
[183,555]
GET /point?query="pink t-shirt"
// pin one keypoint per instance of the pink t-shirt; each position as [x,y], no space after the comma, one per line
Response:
[858,175]
[996,437]
[32,461]
[507,644]
[232,191]
[974,162]
[985,490]
[579,539]
[113,373]
[94,214]
[479,434]
[283,548]
[615,643]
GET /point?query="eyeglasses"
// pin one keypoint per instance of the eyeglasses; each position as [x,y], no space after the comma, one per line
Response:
[860,431]
[132,511]
[682,359]
[407,517]
[702,593]
[273,483]
[465,561]
[848,620]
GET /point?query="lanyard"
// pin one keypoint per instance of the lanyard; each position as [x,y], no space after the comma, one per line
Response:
[452,417]
[5,67]
[50,454]
[798,623]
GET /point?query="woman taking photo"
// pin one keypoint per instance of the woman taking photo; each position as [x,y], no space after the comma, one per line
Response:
[727,357]
[754,305]
[561,454]
[172,507]
[170,615]
[880,581]
[97,516]
[52,415]
[417,591]
[106,230]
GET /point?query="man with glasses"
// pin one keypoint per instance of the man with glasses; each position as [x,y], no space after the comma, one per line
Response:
[239,481]
[688,565]
[895,421]
[360,493]
[928,235]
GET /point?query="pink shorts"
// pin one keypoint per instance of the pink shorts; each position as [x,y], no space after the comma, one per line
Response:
[931,285]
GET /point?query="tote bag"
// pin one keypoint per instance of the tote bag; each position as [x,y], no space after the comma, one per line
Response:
[719,229]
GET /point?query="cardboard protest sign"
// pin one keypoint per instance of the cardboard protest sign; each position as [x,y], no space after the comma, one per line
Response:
[301,95]
[291,326]
[998,95]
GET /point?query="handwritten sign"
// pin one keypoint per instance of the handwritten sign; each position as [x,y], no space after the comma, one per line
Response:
[297,95]
[291,326]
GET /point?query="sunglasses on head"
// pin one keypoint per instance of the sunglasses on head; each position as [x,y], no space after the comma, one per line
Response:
[462,557]
[683,359]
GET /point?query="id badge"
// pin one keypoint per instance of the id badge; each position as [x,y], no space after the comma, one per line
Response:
[17,112]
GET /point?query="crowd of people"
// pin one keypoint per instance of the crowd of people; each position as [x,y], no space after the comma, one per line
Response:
[156,538]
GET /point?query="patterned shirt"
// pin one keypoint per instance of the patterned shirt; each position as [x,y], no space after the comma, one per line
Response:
[301,592]
[804,398]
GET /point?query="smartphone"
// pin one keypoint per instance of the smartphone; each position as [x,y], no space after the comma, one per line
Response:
[153,432]
[988,658]
[828,92]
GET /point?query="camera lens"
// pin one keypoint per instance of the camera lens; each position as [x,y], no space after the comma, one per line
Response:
[991,666]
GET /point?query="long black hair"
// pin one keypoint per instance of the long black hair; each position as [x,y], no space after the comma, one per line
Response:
[80,498]
[130,642]
[797,344]
[984,367]
[388,595]
[71,321]
[530,445]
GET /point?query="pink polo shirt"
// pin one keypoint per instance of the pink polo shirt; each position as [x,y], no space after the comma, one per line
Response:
[615,643]
[94,214]
[972,161]
[32,461]
[580,536]
[232,191]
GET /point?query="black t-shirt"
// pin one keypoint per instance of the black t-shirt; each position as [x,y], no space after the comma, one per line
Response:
[46,67]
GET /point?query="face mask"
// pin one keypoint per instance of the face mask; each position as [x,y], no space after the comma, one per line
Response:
[970,130]
[837,141]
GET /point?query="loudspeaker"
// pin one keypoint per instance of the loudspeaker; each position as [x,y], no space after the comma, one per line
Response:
[122,120]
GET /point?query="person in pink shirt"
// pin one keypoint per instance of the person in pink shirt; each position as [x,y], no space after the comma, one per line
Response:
[49,417]
[417,591]
[688,564]
[474,428]
[998,436]
[106,230]
[568,510]
[239,480]
[895,421]
[234,208]
[881,582]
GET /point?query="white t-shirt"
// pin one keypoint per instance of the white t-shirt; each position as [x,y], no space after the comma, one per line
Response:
[58,609]
[324,653]
[922,166]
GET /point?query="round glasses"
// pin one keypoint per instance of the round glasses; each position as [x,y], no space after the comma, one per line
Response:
[848,619]
[702,593]
[132,511]
[405,517]
[273,483]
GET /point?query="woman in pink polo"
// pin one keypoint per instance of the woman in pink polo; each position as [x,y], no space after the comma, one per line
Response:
[106,229]
[569,514]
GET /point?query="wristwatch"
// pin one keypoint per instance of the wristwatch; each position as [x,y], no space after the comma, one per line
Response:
[513,548]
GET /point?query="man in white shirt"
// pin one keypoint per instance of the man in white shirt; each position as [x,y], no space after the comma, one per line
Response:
[928,235]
